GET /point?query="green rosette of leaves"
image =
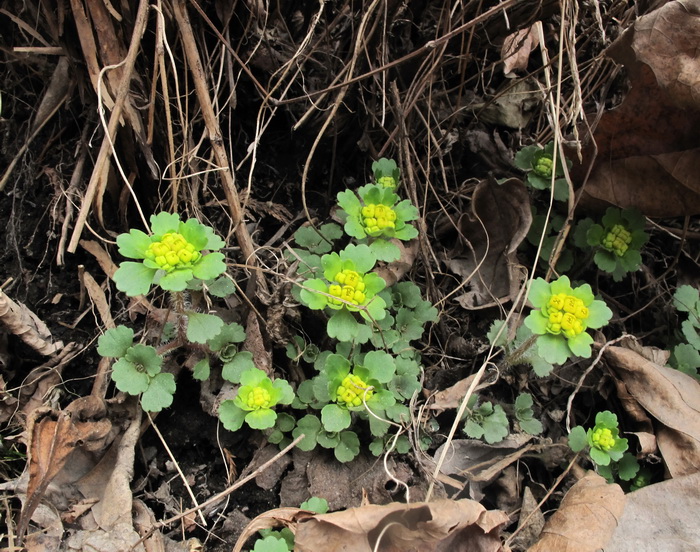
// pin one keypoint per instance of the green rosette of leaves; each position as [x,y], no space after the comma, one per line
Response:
[561,316]
[377,216]
[254,403]
[386,173]
[618,240]
[604,439]
[347,286]
[171,257]
[538,162]
[354,388]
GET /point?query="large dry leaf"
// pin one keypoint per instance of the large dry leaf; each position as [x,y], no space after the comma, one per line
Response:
[22,322]
[499,220]
[670,397]
[586,518]
[649,148]
[443,525]
[663,516]
[516,49]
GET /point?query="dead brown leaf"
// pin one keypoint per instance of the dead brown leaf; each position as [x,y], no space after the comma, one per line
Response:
[586,518]
[443,525]
[648,148]
[670,397]
[663,516]
[22,322]
[491,233]
[516,49]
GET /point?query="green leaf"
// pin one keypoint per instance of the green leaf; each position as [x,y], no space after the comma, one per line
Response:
[128,378]
[145,358]
[578,439]
[380,366]
[163,222]
[286,391]
[335,418]
[540,292]
[361,256]
[309,426]
[627,467]
[209,267]
[285,422]
[201,370]
[134,244]
[687,299]
[343,326]
[605,260]
[221,287]
[159,394]
[348,448]
[496,336]
[176,280]
[229,333]
[525,157]
[115,342]
[315,504]
[495,426]
[261,419]
[231,416]
[606,419]
[553,348]
[134,278]
[201,326]
[328,439]
[581,345]
[473,429]
[690,331]
[232,371]
[686,358]
[599,457]
[385,250]
[271,544]
[308,295]
[531,426]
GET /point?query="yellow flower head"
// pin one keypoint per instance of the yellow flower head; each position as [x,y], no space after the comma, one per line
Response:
[617,240]
[377,217]
[172,251]
[566,315]
[350,288]
[352,390]
[603,438]
[259,398]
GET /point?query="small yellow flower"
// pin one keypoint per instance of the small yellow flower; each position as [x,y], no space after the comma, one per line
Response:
[387,182]
[566,314]
[352,390]
[603,439]
[377,217]
[172,251]
[350,288]
[259,398]
[617,240]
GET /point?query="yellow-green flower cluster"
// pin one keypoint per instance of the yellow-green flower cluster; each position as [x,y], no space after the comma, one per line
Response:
[259,398]
[387,181]
[603,438]
[349,287]
[617,240]
[377,217]
[567,315]
[543,166]
[352,390]
[172,251]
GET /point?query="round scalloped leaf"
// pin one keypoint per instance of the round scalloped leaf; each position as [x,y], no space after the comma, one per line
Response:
[196,234]
[406,211]
[128,378]
[134,278]
[159,394]
[231,416]
[209,267]
[384,250]
[375,309]
[553,348]
[232,371]
[308,295]
[176,280]
[531,426]
[348,448]
[221,287]
[406,233]
[261,419]
[271,543]
[525,157]
[599,457]
[578,439]
[612,217]
[115,342]
[229,333]
[361,256]
[144,357]
[605,260]
[606,419]
[349,202]
[354,229]
[202,327]
[627,467]
[561,189]
[309,426]
[536,322]
[580,345]
[286,393]
[335,418]
[562,285]
[380,366]
[540,292]
[599,314]
[134,244]
[343,326]
[687,299]
[163,222]
[594,235]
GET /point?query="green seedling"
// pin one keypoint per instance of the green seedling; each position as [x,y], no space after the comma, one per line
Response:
[486,421]
[347,287]
[172,256]
[617,241]
[377,216]
[538,163]
[386,173]
[525,415]
[283,540]
[561,316]
[137,370]
[255,401]
[602,440]
[686,356]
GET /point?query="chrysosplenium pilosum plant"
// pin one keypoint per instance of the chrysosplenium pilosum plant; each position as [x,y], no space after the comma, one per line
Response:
[561,317]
